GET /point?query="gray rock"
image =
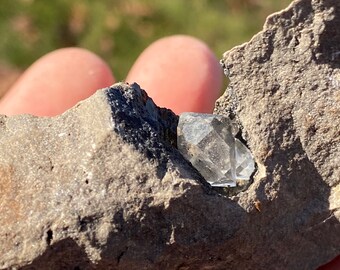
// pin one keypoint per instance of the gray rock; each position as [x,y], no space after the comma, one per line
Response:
[103,187]
[284,91]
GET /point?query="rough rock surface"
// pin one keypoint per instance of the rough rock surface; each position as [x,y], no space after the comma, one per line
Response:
[103,187]
[285,92]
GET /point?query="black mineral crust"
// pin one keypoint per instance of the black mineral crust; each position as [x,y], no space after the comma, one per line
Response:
[76,192]
[134,123]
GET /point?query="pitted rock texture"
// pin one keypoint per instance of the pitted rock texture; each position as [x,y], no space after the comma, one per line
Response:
[103,187]
[285,91]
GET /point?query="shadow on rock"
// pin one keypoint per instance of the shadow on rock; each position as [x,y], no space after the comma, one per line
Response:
[65,254]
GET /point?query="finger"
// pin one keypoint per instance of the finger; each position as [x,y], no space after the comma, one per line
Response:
[180,73]
[56,82]
[333,265]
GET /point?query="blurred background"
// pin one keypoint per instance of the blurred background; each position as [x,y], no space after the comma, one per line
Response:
[119,30]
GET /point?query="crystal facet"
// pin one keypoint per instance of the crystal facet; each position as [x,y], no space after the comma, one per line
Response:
[208,142]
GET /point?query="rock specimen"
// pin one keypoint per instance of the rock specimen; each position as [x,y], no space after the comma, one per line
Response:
[285,91]
[103,186]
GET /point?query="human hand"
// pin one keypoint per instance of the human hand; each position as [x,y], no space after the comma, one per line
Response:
[178,72]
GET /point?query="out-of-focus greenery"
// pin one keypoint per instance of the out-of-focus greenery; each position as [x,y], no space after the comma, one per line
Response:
[118,30]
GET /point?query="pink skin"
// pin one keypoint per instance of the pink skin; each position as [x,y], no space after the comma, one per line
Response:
[56,82]
[178,72]
[189,77]
[333,265]
[60,79]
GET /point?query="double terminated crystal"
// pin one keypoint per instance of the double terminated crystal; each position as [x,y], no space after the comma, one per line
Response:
[208,142]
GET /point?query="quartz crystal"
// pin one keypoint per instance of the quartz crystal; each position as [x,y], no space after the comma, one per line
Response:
[208,142]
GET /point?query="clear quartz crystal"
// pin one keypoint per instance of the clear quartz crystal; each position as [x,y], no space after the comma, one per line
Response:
[208,142]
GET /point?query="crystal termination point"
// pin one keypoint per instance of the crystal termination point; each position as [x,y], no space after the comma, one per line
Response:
[208,142]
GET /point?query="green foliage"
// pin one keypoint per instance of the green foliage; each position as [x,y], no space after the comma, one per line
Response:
[119,30]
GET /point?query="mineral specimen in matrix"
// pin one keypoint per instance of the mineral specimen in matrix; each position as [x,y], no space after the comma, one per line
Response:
[208,142]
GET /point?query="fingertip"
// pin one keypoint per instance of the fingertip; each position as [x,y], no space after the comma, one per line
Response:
[56,82]
[179,72]
[332,265]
